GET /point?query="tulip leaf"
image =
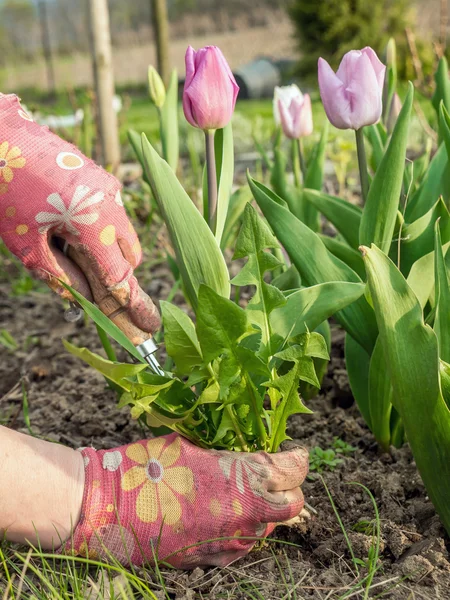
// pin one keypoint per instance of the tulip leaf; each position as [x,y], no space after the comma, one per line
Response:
[306,308]
[169,123]
[431,187]
[442,298]
[411,353]
[288,280]
[442,90]
[418,237]
[380,397]
[343,252]
[224,154]
[421,275]
[198,256]
[345,217]
[180,338]
[254,237]
[293,197]
[380,211]
[372,133]
[357,361]
[315,264]
[314,178]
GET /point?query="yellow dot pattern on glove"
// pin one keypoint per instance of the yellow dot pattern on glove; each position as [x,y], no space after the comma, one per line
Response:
[108,235]
[214,507]
[10,211]
[136,247]
[3,188]
[110,508]
[237,533]
[237,507]
[22,229]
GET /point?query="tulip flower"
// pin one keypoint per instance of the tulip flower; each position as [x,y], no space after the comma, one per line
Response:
[210,89]
[352,97]
[292,110]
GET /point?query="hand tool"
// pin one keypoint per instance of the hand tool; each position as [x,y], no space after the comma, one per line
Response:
[117,313]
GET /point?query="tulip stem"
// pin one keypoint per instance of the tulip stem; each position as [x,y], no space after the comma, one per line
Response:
[362,163]
[296,164]
[302,159]
[212,179]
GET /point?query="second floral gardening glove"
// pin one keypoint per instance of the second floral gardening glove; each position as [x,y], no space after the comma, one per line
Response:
[167,499]
[49,190]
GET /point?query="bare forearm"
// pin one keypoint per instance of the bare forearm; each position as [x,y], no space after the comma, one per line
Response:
[41,489]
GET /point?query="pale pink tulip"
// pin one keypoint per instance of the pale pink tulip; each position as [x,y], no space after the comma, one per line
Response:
[210,89]
[293,111]
[352,97]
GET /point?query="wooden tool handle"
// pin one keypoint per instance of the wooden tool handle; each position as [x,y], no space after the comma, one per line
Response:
[106,302]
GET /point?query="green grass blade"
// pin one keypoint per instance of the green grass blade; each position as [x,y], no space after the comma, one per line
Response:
[412,359]
[380,212]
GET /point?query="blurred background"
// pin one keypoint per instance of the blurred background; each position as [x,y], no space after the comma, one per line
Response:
[47,49]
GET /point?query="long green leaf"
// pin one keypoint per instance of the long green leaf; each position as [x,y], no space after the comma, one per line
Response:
[442,90]
[430,189]
[223,143]
[305,309]
[104,322]
[236,207]
[358,363]
[315,264]
[380,211]
[380,397]
[373,135]
[412,360]
[345,217]
[421,276]
[418,237]
[198,256]
[343,252]
[169,123]
[442,298]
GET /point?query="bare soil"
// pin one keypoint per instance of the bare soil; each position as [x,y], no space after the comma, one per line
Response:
[70,403]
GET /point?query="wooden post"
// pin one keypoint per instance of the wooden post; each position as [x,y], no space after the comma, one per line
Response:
[161,31]
[104,83]
[46,46]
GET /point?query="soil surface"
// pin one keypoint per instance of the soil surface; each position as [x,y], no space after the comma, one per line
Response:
[70,403]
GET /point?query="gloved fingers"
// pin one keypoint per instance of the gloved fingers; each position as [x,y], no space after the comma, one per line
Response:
[287,469]
[131,247]
[110,268]
[276,507]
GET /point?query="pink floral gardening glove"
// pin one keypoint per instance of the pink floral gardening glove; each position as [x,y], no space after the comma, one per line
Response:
[48,188]
[165,496]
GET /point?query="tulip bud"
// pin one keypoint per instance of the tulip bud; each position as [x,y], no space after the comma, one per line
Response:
[156,88]
[293,111]
[210,89]
[352,97]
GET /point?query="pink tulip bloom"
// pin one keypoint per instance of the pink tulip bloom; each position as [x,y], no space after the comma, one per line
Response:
[210,89]
[293,110]
[352,97]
